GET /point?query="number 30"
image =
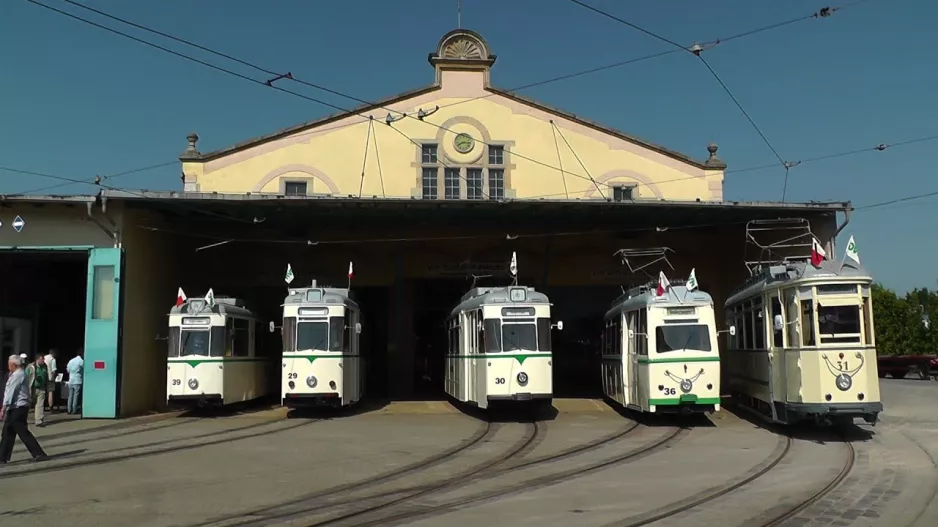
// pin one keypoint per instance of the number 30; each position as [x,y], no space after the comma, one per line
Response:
[499,380]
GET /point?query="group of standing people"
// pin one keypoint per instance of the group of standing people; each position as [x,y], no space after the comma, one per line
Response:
[34,386]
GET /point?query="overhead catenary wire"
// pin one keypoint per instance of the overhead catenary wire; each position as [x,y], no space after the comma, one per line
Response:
[368,118]
[94,180]
[289,76]
[697,51]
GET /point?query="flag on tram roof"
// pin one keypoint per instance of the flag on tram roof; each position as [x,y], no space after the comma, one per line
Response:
[663,283]
[289,276]
[851,251]
[513,267]
[351,271]
[817,253]
[691,280]
[210,298]
[180,297]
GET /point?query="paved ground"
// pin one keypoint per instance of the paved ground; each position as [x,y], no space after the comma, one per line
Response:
[429,464]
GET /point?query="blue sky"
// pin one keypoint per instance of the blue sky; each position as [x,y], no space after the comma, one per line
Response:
[77,101]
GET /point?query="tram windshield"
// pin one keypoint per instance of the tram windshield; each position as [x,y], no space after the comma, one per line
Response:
[194,342]
[677,337]
[312,335]
[517,337]
[838,324]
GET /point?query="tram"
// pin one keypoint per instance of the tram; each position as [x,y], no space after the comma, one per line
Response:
[500,347]
[322,363]
[660,352]
[216,355]
[804,347]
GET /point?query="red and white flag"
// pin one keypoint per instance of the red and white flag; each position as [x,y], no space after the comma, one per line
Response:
[180,297]
[817,253]
[663,283]
[351,272]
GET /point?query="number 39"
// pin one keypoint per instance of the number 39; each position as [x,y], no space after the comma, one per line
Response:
[176,382]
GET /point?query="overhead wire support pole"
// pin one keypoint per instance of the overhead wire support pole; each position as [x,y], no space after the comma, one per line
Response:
[601,193]
[563,176]
[361,184]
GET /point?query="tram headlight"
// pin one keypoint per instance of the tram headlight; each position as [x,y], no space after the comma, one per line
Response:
[193,384]
[311,381]
[522,378]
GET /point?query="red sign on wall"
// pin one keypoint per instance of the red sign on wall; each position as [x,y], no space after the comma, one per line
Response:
[99,364]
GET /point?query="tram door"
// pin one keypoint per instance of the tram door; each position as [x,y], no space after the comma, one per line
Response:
[631,360]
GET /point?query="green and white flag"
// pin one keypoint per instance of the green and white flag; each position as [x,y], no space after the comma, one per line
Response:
[691,280]
[851,251]
[289,276]
[210,298]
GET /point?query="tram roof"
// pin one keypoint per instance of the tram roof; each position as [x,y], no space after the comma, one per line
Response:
[479,296]
[330,295]
[224,305]
[796,271]
[646,295]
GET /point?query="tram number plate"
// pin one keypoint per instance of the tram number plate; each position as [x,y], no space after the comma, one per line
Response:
[291,376]
[670,391]
[842,365]
[177,382]
[499,380]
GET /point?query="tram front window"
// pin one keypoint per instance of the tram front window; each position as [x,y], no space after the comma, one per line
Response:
[194,342]
[516,337]
[839,324]
[312,335]
[679,337]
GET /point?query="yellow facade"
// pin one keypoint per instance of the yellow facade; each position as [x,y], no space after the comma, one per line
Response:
[545,153]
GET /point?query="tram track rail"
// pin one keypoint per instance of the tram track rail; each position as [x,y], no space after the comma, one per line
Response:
[355,486]
[428,511]
[10,471]
[804,504]
[535,431]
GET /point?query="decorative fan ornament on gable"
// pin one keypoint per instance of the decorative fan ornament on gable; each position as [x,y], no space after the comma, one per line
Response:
[462,49]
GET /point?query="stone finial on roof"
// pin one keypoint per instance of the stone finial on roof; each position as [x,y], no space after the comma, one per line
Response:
[191,151]
[713,161]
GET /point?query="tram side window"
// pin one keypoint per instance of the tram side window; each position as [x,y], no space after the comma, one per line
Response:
[219,341]
[543,334]
[758,313]
[778,334]
[493,336]
[748,333]
[807,323]
[242,338]
[288,331]
[173,341]
[868,321]
[641,343]
[336,333]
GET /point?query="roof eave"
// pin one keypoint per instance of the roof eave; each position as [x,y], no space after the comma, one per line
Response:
[208,156]
[612,131]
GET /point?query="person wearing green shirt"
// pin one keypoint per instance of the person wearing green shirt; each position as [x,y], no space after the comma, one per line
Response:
[37,375]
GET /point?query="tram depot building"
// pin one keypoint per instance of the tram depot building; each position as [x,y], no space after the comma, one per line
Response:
[468,176]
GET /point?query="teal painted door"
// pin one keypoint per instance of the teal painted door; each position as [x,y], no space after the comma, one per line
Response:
[102,334]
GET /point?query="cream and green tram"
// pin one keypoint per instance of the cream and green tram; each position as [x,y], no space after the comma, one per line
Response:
[660,353]
[500,347]
[803,348]
[216,354]
[321,361]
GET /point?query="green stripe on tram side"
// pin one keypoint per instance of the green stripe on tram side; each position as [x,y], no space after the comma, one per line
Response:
[519,356]
[684,399]
[196,362]
[312,358]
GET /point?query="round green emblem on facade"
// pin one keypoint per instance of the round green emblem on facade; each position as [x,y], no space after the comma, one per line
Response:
[464,143]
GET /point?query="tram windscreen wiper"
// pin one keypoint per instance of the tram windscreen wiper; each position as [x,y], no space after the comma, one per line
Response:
[312,335]
[519,337]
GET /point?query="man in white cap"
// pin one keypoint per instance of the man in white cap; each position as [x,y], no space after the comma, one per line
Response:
[14,413]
